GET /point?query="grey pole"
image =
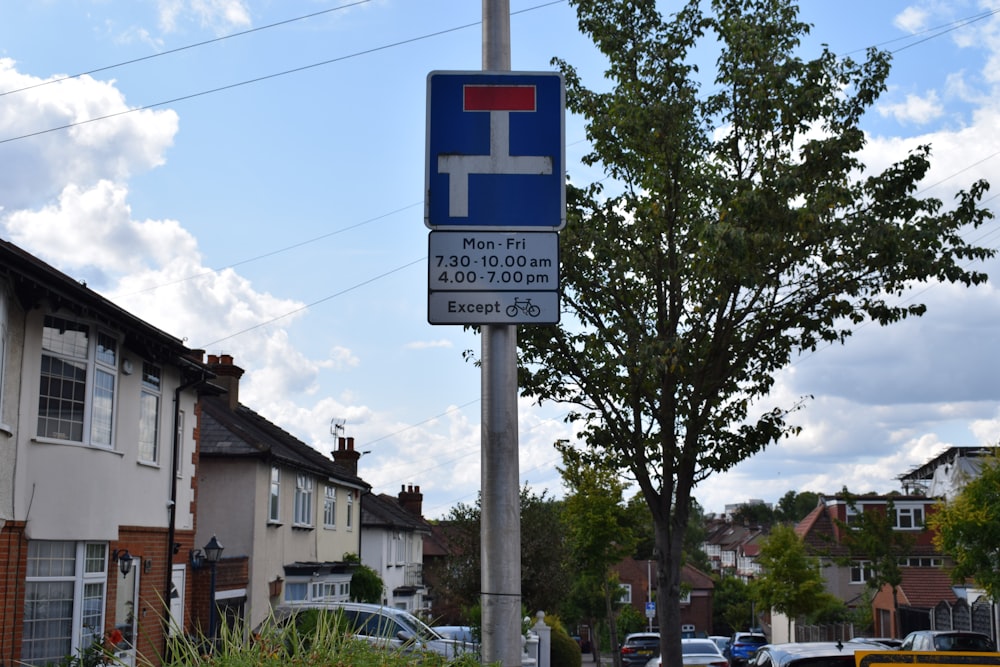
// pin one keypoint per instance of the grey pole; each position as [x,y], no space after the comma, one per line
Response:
[501,507]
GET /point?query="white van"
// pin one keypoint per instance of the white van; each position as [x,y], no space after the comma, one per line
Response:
[385,626]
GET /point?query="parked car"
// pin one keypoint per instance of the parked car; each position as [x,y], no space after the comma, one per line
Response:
[701,652]
[884,641]
[639,647]
[742,647]
[947,640]
[811,654]
[381,626]
[720,641]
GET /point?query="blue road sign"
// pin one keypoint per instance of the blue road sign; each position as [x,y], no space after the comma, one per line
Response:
[495,151]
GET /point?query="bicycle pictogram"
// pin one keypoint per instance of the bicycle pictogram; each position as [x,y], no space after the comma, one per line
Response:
[525,306]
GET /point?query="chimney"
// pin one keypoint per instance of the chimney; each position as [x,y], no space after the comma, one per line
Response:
[229,376]
[346,456]
[411,500]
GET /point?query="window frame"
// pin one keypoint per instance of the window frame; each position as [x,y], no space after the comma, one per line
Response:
[98,409]
[274,499]
[915,517]
[349,524]
[89,572]
[3,355]
[303,513]
[151,387]
[861,571]
[330,507]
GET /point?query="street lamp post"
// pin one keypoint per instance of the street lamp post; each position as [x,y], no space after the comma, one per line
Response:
[213,551]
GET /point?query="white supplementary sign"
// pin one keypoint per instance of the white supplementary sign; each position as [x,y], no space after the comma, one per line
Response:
[495,151]
[477,277]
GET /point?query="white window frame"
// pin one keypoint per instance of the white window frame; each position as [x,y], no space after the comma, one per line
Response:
[3,354]
[99,364]
[909,517]
[327,588]
[625,593]
[89,575]
[861,571]
[149,413]
[350,510]
[303,501]
[330,507]
[274,499]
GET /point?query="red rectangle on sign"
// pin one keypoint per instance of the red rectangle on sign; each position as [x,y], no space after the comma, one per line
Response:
[499,98]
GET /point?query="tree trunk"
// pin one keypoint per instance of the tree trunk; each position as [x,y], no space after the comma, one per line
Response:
[612,626]
[669,544]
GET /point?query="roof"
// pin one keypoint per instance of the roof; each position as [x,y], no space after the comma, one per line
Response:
[925,587]
[384,511]
[34,282]
[243,434]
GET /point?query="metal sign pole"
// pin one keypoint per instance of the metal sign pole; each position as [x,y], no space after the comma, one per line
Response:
[501,512]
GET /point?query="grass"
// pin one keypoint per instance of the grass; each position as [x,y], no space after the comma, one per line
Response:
[326,644]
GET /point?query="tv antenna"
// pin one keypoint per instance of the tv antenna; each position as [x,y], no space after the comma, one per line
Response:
[337,427]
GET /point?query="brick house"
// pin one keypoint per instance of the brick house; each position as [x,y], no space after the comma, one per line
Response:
[97,477]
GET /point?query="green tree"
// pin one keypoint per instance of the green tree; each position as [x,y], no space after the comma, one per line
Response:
[967,528]
[791,581]
[732,609]
[754,514]
[544,581]
[366,585]
[598,536]
[793,506]
[742,230]
[871,536]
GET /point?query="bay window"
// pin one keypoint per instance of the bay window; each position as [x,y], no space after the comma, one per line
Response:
[79,374]
[64,599]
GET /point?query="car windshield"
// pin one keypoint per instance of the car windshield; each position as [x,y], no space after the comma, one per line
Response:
[963,643]
[424,632]
[698,647]
[752,639]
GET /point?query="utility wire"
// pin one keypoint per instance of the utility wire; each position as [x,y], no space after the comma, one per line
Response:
[314,303]
[184,48]
[266,77]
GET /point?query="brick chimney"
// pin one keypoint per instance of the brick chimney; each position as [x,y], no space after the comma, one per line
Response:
[228,374]
[411,500]
[346,456]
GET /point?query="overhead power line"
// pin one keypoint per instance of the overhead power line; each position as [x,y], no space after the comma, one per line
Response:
[184,48]
[266,77]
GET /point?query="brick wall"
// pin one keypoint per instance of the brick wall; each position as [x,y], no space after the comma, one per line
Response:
[13,556]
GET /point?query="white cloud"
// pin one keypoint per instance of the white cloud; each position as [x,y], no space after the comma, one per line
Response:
[430,344]
[113,149]
[912,19]
[220,15]
[916,109]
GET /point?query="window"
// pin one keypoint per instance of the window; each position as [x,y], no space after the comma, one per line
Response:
[3,347]
[331,588]
[180,443]
[273,514]
[303,500]
[915,561]
[149,414]
[350,509]
[625,593]
[63,599]
[910,518]
[330,506]
[861,571]
[79,373]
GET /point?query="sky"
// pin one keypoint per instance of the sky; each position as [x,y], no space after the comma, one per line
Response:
[247,175]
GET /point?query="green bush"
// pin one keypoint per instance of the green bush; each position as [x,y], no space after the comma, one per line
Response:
[565,650]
